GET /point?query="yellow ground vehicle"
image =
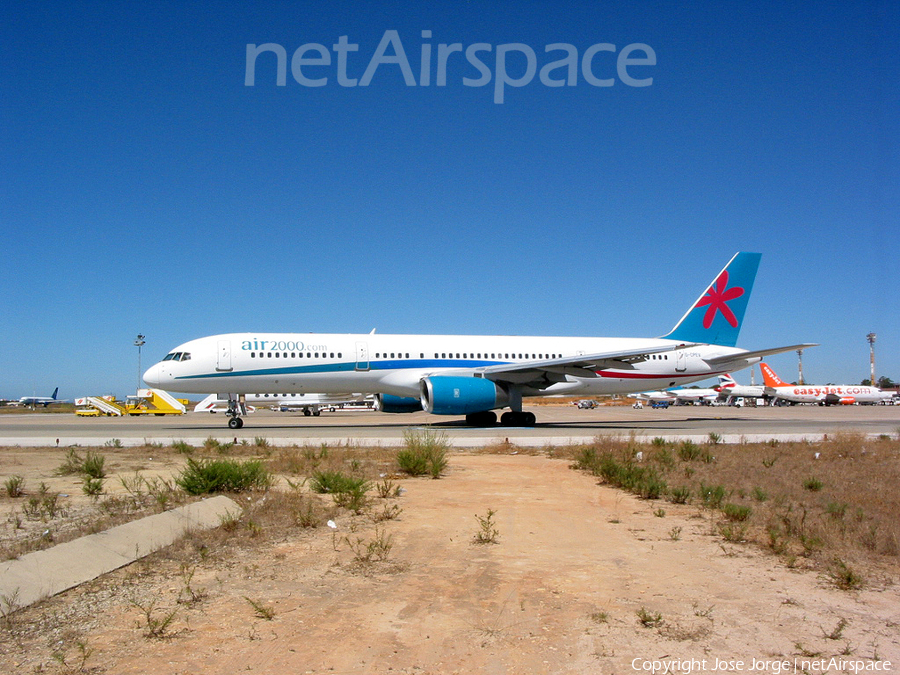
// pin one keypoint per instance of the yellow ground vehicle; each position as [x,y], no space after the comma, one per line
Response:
[146,402]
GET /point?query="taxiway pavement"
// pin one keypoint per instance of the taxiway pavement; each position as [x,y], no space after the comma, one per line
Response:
[557,425]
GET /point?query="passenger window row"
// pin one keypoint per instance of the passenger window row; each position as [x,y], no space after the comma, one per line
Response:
[466,355]
[294,355]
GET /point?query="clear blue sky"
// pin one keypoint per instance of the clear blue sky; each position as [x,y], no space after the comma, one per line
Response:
[146,189]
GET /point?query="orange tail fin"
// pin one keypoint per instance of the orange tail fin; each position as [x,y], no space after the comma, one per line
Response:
[769,376]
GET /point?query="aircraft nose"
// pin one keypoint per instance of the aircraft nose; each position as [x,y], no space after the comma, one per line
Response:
[152,378]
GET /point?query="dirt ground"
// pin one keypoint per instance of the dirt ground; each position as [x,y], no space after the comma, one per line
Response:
[575,568]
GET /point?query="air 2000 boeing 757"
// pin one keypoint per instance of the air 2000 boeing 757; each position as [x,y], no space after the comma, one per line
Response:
[468,374]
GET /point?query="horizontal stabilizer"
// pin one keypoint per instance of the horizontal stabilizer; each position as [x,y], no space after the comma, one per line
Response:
[759,353]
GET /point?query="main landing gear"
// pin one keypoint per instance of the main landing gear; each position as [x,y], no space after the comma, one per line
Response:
[510,418]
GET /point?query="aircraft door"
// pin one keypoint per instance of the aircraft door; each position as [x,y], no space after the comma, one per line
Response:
[362,356]
[223,356]
[680,361]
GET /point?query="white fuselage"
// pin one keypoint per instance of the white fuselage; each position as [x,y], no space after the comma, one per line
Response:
[844,394]
[743,390]
[296,363]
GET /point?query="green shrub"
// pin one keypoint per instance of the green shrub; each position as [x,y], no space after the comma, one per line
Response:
[813,484]
[353,498]
[845,577]
[93,465]
[331,482]
[759,494]
[347,491]
[644,481]
[733,532]
[15,486]
[183,447]
[712,496]
[688,451]
[587,459]
[71,465]
[664,458]
[425,452]
[487,532]
[92,487]
[737,512]
[223,475]
[649,619]
[836,510]
[680,494]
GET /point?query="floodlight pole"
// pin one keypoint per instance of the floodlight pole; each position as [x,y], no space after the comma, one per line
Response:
[139,342]
[799,366]
[871,338]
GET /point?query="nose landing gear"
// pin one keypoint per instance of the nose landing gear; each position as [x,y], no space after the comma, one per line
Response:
[236,408]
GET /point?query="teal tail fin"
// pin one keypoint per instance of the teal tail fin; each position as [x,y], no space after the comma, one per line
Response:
[717,315]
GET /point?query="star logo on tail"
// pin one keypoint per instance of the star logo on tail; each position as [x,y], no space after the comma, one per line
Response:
[716,300]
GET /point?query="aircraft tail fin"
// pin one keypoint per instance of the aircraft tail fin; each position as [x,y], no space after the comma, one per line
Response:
[716,316]
[55,392]
[726,380]
[769,376]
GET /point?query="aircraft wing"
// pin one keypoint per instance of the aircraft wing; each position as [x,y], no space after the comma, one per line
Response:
[541,374]
[759,353]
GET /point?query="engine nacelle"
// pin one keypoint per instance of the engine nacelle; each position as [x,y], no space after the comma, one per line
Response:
[834,399]
[451,395]
[388,403]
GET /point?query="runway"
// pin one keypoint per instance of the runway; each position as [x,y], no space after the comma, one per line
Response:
[557,425]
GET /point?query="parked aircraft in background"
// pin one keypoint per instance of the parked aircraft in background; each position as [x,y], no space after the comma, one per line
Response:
[310,404]
[661,395]
[41,400]
[680,395]
[214,404]
[729,387]
[828,394]
[471,375]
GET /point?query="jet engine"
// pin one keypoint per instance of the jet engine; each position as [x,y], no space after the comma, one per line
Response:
[397,404]
[453,395]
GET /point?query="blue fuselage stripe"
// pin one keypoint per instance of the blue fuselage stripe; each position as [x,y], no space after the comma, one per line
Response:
[406,364]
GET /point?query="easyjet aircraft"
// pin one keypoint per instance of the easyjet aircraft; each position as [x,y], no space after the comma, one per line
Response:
[828,394]
[471,375]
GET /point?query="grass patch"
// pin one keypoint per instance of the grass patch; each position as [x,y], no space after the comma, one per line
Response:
[813,484]
[223,475]
[424,453]
[780,496]
[845,577]
[649,619]
[736,512]
[15,486]
[487,529]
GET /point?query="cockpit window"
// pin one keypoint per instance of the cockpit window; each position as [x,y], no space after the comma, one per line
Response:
[186,356]
[169,357]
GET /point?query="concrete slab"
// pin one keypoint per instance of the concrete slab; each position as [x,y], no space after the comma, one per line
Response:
[41,574]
